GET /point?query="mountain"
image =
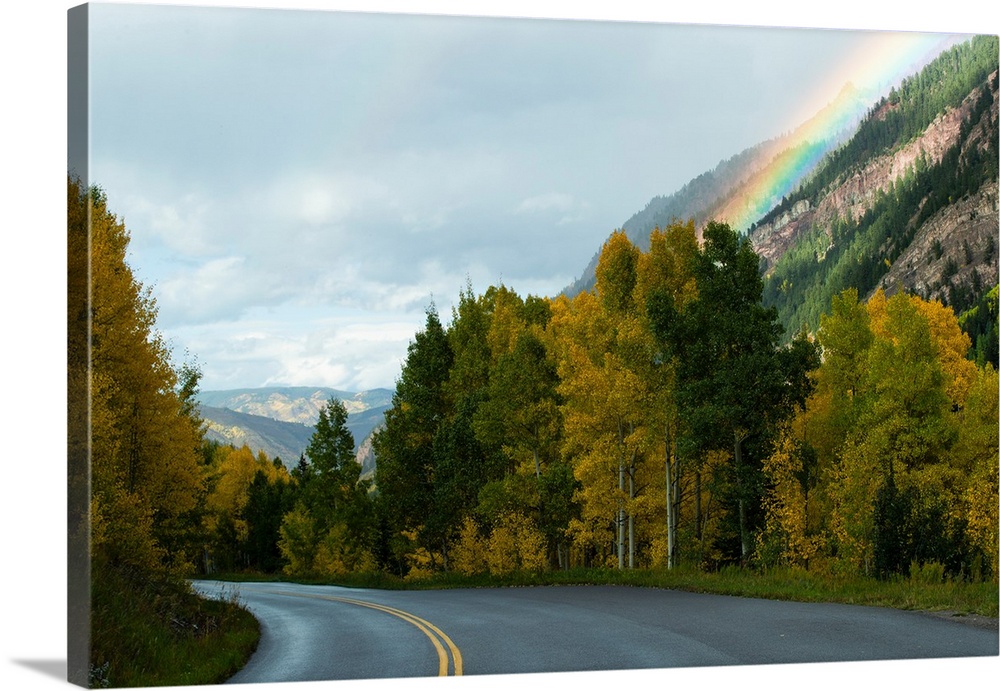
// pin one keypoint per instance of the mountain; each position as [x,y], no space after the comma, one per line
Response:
[728,190]
[904,196]
[910,202]
[280,420]
[277,439]
[293,403]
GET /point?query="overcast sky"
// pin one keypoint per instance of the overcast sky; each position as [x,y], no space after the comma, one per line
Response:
[300,186]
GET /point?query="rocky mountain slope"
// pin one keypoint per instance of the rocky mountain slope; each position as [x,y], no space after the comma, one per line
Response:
[854,195]
[911,203]
[721,191]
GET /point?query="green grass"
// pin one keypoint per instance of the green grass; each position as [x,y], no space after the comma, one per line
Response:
[918,593]
[161,634]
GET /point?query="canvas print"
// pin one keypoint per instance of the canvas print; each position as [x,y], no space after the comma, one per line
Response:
[406,345]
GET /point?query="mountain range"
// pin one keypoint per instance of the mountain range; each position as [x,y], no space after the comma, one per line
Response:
[281,420]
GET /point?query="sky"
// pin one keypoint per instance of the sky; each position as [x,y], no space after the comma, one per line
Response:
[302,185]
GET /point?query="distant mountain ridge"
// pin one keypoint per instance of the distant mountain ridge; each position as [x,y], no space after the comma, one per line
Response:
[277,439]
[280,420]
[293,403]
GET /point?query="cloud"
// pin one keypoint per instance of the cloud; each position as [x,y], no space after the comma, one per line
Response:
[322,198]
[221,289]
[280,169]
[303,346]
[552,201]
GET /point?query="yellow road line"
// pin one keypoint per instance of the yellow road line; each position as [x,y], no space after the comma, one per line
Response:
[421,624]
[425,626]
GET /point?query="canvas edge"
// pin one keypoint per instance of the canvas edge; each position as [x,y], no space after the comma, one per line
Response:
[78,373]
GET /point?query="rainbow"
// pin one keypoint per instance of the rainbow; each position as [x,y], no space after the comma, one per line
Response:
[880,61]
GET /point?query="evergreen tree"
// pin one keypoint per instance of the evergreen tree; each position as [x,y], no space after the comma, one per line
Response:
[404,448]
[733,381]
[334,494]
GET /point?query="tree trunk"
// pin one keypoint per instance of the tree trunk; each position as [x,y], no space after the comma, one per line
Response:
[621,516]
[738,463]
[631,515]
[697,504]
[670,501]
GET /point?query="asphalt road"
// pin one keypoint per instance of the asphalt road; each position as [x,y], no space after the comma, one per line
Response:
[326,632]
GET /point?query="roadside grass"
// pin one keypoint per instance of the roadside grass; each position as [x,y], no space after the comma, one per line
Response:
[919,592]
[147,633]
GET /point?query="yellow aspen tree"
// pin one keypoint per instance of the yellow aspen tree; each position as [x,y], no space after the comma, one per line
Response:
[606,401]
[468,555]
[976,454]
[515,544]
[230,478]
[786,505]
[667,268]
[144,465]
[951,347]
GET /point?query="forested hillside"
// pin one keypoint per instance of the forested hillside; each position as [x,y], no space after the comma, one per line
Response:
[910,202]
[714,194]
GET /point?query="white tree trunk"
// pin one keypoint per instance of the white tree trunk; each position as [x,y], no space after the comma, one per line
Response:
[621,517]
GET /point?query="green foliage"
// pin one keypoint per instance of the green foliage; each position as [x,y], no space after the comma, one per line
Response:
[159,633]
[734,382]
[267,504]
[406,468]
[981,323]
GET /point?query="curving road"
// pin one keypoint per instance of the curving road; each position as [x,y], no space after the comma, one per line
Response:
[327,632]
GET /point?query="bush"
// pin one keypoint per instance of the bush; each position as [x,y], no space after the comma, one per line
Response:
[931,573]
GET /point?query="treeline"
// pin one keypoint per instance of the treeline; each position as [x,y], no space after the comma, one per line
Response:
[656,421]
[136,481]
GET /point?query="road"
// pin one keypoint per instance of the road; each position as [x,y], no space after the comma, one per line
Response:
[327,632]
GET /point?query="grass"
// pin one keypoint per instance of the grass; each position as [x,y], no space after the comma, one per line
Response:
[159,633]
[917,593]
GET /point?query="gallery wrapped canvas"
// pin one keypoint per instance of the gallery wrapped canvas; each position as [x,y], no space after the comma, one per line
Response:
[416,345]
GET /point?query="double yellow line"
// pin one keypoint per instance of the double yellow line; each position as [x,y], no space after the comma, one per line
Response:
[436,635]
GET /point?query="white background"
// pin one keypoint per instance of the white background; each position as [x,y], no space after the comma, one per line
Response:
[33,157]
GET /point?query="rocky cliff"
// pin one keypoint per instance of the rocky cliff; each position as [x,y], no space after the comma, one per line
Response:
[956,246]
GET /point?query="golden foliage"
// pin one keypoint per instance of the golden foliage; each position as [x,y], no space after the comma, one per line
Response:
[515,544]
[230,477]
[469,554]
[144,460]
[786,505]
[336,556]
